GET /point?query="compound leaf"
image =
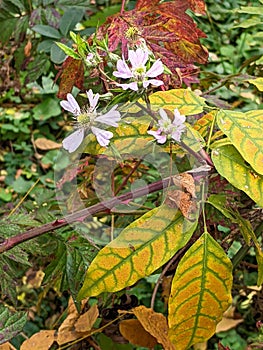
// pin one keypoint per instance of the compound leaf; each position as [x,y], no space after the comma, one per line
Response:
[200,293]
[140,249]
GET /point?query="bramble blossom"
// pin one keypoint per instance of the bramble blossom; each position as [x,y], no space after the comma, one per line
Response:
[138,72]
[169,129]
[89,118]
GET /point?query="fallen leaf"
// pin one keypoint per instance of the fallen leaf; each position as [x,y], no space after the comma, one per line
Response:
[46,144]
[133,331]
[42,340]
[154,323]
[227,323]
[87,320]
[6,346]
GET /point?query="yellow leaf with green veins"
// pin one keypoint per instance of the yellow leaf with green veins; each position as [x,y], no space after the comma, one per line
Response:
[258,82]
[245,132]
[141,248]
[232,166]
[186,101]
[200,293]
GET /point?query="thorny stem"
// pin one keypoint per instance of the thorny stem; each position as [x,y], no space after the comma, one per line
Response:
[80,215]
[9,243]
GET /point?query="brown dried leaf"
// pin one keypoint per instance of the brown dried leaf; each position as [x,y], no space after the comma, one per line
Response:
[156,324]
[181,200]
[186,182]
[87,320]
[46,144]
[42,340]
[227,323]
[133,331]
[6,346]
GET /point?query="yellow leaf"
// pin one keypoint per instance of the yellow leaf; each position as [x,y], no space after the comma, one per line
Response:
[231,165]
[156,324]
[202,125]
[42,340]
[133,331]
[87,320]
[140,249]
[186,101]
[200,293]
[245,132]
[258,82]
[46,144]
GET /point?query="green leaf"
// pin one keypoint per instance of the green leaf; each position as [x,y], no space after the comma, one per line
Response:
[68,51]
[245,132]
[141,248]
[48,108]
[249,23]
[186,101]
[200,293]
[70,18]
[100,17]
[56,54]
[230,164]
[46,30]
[10,323]
[253,10]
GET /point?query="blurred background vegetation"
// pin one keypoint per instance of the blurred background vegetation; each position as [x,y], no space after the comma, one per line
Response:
[32,126]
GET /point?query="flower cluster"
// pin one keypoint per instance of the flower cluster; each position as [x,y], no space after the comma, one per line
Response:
[89,119]
[138,73]
[169,129]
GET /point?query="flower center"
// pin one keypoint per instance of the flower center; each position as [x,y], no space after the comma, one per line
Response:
[86,118]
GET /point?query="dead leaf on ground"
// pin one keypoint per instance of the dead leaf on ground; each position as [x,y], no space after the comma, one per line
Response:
[7,346]
[46,144]
[133,331]
[40,341]
[87,320]
[154,323]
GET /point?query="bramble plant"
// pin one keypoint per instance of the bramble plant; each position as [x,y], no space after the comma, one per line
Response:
[147,162]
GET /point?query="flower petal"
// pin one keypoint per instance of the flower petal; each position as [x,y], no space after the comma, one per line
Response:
[155,70]
[133,86]
[103,136]
[73,141]
[123,71]
[138,58]
[71,105]
[110,118]
[161,138]
[93,99]
[163,115]
[178,118]
[154,82]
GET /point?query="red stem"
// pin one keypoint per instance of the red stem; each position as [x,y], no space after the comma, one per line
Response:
[122,7]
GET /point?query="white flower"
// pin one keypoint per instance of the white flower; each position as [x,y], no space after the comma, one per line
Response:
[138,72]
[169,129]
[89,119]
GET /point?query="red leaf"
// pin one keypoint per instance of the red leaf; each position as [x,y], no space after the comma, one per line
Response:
[72,75]
[167,30]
